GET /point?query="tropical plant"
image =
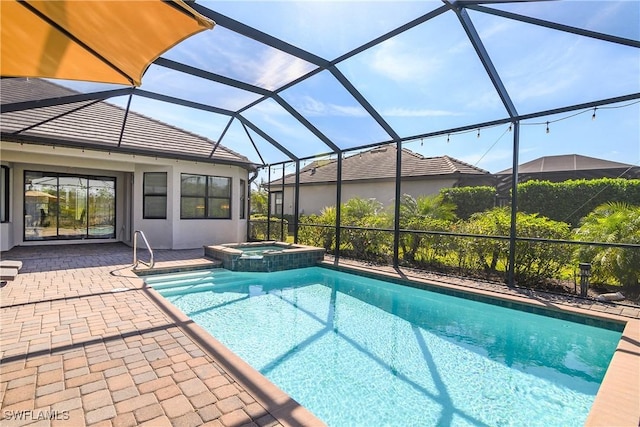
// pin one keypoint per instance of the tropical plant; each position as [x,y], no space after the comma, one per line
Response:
[611,223]
[259,203]
[426,213]
[363,242]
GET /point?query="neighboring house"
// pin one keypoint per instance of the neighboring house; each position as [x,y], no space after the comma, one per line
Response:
[80,173]
[372,174]
[565,167]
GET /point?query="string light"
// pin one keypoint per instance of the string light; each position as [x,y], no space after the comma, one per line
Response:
[593,111]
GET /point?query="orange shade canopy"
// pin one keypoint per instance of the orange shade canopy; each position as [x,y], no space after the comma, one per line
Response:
[92,40]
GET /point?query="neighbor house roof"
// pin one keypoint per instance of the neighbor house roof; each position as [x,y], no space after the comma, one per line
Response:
[380,164]
[99,125]
[565,163]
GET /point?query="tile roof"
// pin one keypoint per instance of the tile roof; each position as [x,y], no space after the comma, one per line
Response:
[380,164]
[98,125]
[565,163]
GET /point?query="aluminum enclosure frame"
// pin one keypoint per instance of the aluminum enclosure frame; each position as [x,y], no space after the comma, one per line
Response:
[460,8]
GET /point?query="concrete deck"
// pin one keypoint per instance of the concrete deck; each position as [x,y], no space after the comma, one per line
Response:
[84,342]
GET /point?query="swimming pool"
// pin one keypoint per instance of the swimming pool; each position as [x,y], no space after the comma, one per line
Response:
[359,351]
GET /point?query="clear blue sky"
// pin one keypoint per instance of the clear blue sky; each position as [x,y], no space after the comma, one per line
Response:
[424,80]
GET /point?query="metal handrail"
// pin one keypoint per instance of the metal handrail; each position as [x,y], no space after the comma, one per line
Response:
[136,261]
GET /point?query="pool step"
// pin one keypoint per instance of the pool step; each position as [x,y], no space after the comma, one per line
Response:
[186,277]
[203,287]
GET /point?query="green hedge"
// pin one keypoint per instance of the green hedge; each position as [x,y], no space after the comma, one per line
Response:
[569,201]
[258,228]
[469,200]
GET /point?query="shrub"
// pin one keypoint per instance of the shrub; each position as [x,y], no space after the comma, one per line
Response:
[611,223]
[534,261]
[258,228]
[324,237]
[365,244]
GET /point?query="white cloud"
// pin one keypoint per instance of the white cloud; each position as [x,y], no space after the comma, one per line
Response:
[345,110]
[403,63]
[277,68]
[311,107]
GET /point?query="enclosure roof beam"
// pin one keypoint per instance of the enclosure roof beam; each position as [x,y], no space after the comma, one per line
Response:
[255,147]
[260,132]
[224,131]
[183,102]
[409,25]
[321,136]
[198,72]
[482,53]
[556,26]
[364,103]
[61,100]
[252,33]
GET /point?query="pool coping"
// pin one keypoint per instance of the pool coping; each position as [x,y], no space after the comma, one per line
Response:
[617,402]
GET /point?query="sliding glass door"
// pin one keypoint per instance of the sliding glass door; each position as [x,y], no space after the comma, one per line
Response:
[64,206]
[101,202]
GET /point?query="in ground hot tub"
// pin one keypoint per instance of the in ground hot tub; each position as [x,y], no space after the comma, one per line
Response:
[264,256]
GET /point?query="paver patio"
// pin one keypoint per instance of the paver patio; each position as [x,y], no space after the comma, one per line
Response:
[85,343]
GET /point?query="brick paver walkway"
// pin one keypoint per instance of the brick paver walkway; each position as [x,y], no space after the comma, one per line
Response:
[84,343]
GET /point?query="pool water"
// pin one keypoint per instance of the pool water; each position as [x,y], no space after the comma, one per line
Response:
[259,250]
[361,352]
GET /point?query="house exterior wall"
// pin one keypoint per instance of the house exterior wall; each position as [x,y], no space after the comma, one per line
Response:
[128,170]
[313,198]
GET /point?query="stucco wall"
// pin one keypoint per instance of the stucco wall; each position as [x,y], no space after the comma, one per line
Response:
[59,160]
[172,233]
